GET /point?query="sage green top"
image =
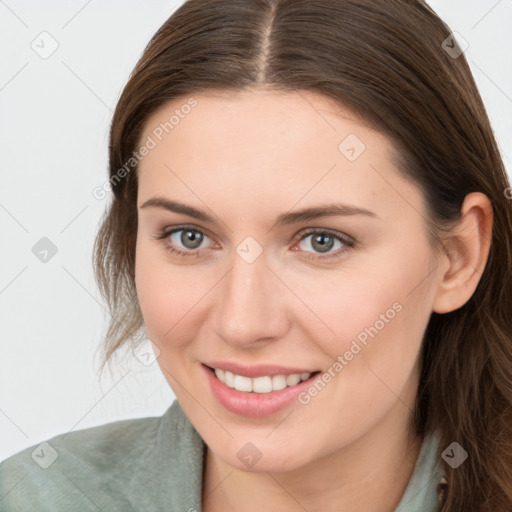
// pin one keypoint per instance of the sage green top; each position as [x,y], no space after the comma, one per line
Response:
[144,464]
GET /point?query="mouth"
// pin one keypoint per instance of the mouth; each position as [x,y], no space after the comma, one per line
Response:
[262,384]
[258,396]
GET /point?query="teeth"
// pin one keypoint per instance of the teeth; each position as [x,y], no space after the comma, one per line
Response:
[229,379]
[243,383]
[278,382]
[260,384]
[291,380]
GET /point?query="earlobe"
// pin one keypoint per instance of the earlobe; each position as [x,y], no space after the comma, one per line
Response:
[467,251]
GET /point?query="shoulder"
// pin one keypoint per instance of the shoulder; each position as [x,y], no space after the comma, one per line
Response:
[95,468]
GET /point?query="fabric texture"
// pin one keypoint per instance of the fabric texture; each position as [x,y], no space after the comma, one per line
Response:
[144,464]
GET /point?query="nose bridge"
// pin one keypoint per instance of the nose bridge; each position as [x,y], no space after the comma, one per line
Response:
[250,303]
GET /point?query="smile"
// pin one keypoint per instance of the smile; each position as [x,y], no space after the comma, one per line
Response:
[269,390]
[264,384]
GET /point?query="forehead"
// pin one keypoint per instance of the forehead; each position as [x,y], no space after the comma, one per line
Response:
[278,147]
[257,116]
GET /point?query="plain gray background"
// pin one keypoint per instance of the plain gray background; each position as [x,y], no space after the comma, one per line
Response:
[56,110]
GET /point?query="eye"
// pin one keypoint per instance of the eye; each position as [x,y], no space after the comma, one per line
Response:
[322,242]
[187,241]
[183,241]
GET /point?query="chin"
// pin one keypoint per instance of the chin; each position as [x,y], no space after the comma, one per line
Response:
[261,456]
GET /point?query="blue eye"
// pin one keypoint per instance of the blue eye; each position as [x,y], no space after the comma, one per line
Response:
[186,241]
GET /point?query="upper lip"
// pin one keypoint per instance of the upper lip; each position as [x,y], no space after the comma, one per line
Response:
[259,370]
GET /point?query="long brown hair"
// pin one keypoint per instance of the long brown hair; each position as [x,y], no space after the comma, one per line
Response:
[390,62]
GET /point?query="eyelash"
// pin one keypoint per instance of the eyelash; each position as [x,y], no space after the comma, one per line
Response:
[348,244]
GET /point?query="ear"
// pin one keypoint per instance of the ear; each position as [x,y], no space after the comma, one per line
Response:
[467,249]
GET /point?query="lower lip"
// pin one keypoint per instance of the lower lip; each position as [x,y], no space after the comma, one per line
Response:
[255,404]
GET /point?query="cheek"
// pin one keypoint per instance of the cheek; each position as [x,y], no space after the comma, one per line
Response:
[354,306]
[173,298]
[376,318]
[166,293]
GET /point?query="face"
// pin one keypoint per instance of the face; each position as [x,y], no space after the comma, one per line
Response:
[252,288]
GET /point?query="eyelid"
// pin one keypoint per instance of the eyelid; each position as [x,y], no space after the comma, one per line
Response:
[166,231]
[333,232]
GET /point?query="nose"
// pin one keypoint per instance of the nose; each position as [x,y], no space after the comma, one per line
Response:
[252,304]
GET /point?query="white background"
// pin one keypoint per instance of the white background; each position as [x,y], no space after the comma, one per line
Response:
[55,115]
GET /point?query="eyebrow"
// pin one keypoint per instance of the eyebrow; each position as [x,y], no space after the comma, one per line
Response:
[304,215]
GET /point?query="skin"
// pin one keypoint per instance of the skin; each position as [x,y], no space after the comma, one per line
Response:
[246,158]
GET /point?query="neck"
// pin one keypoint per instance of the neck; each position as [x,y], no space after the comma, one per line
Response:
[370,474]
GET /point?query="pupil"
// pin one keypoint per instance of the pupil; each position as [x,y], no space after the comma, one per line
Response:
[323,246]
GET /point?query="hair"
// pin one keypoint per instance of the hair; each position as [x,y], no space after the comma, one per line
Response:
[386,62]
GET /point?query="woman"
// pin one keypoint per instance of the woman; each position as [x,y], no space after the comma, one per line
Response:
[310,222]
